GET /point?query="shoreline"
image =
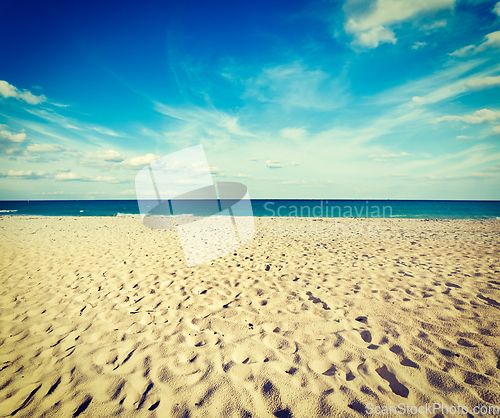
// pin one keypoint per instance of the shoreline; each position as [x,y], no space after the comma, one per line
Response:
[138,215]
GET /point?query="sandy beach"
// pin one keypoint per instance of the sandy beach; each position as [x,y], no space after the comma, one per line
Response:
[101,317]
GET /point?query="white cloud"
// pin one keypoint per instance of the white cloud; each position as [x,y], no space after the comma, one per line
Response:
[108,156]
[496,129]
[104,179]
[480,116]
[9,137]
[294,163]
[215,171]
[463,137]
[72,176]
[294,182]
[369,24]
[496,9]
[139,161]
[274,164]
[386,12]
[8,90]
[434,25]
[492,40]
[384,157]
[10,142]
[35,148]
[417,45]
[293,133]
[483,83]
[128,192]
[375,36]
[24,174]
[67,176]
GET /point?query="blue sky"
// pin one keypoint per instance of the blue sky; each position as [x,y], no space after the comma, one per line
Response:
[361,99]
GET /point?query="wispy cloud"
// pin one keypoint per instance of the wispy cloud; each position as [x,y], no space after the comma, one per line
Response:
[297,86]
[480,116]
[443,85]
[483,83]
[37,148]
[128,192]
[418,45]
[111,159]
[71,123]
[72,176]
[50,193]
[208,119]
[58,176]
[434,25]
[293,133]
[384,157]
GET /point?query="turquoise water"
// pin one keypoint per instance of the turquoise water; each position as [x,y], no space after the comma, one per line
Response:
[417,209]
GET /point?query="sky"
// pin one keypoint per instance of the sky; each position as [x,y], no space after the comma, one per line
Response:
[354,99]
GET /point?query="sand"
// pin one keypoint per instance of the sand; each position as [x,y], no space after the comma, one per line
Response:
[101,317]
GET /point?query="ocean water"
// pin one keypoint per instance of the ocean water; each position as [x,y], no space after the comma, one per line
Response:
[416,209]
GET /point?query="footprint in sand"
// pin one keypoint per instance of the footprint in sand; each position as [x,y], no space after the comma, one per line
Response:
[83,406]
[272,397]
[464,343]
[396,387]
[366,336]
[408,363]
[489,301]
[317,300]
[405,361]
[349,376]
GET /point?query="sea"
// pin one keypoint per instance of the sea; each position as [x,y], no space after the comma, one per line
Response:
[411,209]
